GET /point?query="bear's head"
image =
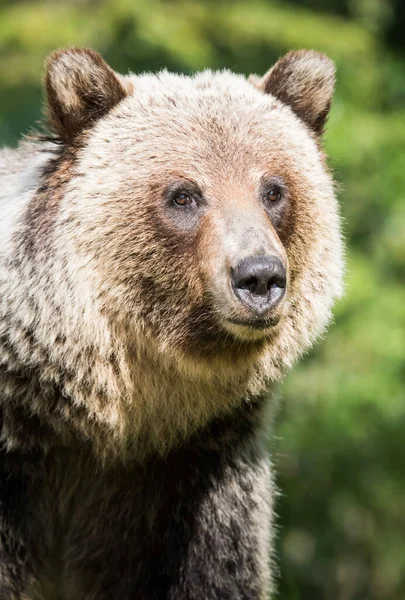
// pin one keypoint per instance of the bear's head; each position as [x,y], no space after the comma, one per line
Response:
[185,230]
[204,203]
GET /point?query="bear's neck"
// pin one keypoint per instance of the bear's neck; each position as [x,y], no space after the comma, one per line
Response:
[125,401]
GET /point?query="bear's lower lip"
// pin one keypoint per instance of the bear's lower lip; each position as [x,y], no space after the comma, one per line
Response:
[256,323]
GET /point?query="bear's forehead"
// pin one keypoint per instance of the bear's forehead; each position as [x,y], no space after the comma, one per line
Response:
[209,99]
[208,127]
[211,112]
[204,83]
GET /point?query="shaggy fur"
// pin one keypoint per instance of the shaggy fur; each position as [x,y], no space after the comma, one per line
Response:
[132,406]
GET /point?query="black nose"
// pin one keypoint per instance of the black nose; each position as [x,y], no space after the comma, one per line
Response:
[259,282]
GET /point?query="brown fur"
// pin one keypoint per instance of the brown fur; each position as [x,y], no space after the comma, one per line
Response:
[119,354]
[76,102]
[305,81]
[42,210]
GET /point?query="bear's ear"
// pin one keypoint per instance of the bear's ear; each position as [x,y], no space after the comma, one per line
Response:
[80,88]
[304,80]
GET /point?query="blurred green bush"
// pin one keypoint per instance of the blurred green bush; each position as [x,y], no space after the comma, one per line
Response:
[339,444]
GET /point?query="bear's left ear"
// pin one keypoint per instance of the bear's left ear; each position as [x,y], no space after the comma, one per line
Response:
[305,81]
[80,88]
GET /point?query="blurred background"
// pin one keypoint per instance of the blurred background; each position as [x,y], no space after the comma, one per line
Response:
[339,443]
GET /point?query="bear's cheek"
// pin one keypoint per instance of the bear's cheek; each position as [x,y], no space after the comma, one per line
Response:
[171,285]
[299,236]
[167,282]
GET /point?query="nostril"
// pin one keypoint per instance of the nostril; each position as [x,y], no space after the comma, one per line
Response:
[250,284]
[278,281]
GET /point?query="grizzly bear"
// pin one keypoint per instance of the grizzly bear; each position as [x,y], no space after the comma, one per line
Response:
[165,255]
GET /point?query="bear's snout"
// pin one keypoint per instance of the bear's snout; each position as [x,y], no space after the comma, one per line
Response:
[259,282]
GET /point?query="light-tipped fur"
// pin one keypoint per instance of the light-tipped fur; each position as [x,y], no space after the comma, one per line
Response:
[112,312]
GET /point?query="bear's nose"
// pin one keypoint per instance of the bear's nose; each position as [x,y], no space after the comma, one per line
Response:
[259,282]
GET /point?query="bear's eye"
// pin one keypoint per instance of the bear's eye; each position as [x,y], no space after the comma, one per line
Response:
[273,195]
[183,199]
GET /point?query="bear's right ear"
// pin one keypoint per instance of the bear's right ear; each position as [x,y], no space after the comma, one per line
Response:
[80,88]
[305,81]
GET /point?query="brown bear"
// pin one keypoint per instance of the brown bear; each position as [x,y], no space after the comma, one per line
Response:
[165,256]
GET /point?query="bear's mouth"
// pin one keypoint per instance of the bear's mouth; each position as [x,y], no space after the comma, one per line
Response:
[258,324]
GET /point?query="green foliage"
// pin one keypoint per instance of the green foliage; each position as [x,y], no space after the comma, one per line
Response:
[339,445]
